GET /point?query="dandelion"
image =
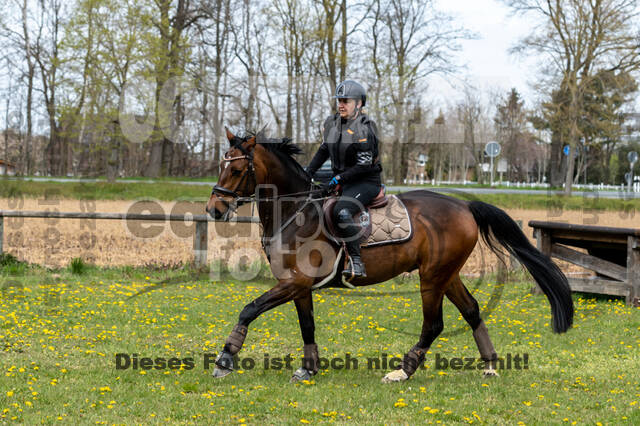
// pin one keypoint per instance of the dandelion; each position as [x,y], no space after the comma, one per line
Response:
[400,403]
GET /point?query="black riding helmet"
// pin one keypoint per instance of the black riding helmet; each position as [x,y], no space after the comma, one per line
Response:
[350,89]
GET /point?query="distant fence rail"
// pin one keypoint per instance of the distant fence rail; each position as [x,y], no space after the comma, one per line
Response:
[200,241]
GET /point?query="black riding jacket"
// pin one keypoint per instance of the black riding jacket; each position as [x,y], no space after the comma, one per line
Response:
[352,146]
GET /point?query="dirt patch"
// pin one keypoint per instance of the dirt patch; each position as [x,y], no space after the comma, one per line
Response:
[54,242]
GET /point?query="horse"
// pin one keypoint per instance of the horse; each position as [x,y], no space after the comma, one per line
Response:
[445,231]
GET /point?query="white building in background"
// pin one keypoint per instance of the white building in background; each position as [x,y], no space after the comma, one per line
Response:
[7,168]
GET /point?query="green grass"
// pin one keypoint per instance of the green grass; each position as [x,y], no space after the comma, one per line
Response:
[556,203]
[60,333]
[102,190]
[77,266]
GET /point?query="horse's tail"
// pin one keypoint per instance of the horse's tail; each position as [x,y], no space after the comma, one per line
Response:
[496,226]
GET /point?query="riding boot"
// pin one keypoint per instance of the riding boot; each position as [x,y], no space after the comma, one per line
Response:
[349,230]
[355,268]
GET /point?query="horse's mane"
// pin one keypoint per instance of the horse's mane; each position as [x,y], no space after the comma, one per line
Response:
[283,148]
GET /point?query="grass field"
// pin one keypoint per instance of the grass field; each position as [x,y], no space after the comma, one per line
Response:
[100,190]
[60,332]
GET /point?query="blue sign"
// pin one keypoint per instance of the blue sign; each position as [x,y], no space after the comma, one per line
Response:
[566,150]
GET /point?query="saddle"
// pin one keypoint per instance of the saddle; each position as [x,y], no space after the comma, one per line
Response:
[384,220]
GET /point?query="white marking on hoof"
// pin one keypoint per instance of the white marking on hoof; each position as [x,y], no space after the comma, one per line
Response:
[300,375]
[490,372]
[395,376]
[219,373]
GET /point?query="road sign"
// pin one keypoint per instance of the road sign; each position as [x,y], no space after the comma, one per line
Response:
[632,157]
[566,149]
[492,149]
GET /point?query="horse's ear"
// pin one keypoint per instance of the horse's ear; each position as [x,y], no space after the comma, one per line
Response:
[251,143]
[230,135]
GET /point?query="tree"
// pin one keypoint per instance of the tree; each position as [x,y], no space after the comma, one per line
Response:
[412,41]
[510,122]
[170,49]
[577,38]
[469,113]
[47,56]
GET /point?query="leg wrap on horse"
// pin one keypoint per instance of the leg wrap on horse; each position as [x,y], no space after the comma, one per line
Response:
[413,359]
[311,359]
[236,339]
[481,336]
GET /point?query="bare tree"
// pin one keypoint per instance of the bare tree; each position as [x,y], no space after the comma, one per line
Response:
[419,41]
[469,112]
[578,38]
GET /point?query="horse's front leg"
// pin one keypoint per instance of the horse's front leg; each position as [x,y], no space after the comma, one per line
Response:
[304,305]
[283,292]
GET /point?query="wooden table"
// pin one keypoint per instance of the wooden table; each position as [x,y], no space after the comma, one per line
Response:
[612,253]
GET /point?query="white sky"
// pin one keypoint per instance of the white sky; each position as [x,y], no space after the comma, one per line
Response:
[489,64]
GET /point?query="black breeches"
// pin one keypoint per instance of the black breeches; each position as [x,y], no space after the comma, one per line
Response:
[354,197]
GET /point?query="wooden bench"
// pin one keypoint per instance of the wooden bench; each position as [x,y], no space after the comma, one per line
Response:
[612,253]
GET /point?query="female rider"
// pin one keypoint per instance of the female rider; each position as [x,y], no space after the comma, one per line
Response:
[350,140]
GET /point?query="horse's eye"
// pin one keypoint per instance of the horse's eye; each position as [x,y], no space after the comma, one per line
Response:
[235,172]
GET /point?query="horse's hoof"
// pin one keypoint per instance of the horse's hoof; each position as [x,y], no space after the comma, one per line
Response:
[395,376]
[300,375]
[490,372]
[224,365]
[220,372]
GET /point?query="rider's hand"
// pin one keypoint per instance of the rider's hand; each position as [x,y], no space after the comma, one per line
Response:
[331,185]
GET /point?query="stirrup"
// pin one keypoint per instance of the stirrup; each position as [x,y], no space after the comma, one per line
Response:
[350,274]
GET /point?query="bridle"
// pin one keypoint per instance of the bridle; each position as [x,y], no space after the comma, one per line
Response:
[248,178]
[238,199]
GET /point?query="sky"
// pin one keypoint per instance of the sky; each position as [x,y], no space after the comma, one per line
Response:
[489,64]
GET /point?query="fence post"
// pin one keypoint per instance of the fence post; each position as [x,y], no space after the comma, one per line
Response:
[200,240]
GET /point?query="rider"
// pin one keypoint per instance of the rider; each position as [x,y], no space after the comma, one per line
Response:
[350,140]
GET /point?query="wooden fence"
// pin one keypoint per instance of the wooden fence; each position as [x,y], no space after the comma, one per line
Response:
[612,253]
[200,242]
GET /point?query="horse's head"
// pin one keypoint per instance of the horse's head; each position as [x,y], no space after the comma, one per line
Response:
[237,177]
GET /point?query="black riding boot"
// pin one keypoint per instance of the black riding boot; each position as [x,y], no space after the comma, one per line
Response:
[348,229]
[355,268]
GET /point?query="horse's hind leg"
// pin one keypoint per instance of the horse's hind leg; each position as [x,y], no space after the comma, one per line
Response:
[432,326]
[468,307]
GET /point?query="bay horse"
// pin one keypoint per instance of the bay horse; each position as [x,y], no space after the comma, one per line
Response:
[445,231]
